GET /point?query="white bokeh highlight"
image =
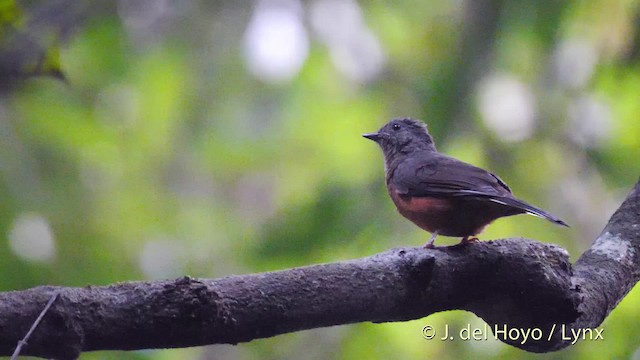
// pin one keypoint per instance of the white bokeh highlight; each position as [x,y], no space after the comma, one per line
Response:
[574,62]
[276,43]
[162,258]
[31,238]
[507,107]
[590,121]
[354,49]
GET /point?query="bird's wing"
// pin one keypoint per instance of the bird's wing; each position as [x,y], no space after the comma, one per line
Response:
[441,175]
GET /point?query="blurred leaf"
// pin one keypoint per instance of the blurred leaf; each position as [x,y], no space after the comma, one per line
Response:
[10,15]
[23,53]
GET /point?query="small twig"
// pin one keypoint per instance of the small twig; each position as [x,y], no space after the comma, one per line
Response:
[23,342]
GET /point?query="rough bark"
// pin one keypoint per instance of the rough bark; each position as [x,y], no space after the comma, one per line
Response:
[517,283]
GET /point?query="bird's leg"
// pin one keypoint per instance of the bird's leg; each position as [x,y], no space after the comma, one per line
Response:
[467,239]
[429,244]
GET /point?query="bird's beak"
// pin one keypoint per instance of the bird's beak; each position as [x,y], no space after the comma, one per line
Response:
[373,136]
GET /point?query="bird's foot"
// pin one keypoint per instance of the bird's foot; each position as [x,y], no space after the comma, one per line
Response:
[467,239]
[430,243]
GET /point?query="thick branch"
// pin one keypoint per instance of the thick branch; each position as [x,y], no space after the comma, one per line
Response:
[514,282]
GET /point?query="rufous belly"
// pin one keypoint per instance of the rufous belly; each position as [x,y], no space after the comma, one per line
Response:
[452,216]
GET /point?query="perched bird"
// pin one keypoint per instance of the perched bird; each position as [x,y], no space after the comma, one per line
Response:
[440,194]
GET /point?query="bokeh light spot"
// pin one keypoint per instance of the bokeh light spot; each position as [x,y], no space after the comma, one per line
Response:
[31,238]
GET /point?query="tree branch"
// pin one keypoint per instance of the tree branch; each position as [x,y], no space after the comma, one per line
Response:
[515,283]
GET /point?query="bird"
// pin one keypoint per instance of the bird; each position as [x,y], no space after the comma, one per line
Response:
[441,194]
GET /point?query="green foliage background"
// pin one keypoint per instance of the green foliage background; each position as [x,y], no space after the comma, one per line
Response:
[161,154]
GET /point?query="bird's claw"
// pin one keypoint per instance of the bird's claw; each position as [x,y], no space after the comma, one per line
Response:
[430,243]
[466,240]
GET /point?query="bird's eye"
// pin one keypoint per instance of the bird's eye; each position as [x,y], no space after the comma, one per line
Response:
[396,126]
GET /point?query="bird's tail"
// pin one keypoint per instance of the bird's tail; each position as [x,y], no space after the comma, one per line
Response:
[529,209]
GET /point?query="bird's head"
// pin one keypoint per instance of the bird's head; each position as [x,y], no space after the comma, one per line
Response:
[403,135]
